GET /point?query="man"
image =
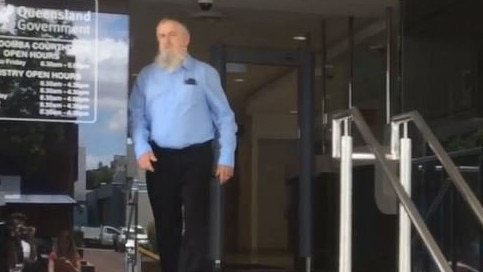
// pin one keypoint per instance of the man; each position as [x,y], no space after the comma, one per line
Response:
[21,245]
[176,107]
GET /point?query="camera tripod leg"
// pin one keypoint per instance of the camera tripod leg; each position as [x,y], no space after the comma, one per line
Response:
[132,256]
[132,262]
[217,266]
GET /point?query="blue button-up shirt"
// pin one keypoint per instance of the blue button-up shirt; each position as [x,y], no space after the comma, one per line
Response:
[181,108]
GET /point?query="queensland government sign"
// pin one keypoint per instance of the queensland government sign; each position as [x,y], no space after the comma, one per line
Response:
[48,61]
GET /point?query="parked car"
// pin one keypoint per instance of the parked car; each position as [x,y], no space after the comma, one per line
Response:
[103,235]
[121,240]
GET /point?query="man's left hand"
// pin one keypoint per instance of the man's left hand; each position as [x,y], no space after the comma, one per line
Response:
[223,173]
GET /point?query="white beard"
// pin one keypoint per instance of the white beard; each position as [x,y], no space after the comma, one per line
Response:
[169,60]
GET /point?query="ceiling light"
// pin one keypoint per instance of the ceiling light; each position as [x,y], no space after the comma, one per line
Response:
[293,112]
[299,38]
[239,80]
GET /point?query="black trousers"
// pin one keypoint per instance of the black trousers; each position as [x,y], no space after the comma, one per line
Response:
[4,236]
[181,178]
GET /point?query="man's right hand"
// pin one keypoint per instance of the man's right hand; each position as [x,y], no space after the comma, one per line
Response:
[144,162]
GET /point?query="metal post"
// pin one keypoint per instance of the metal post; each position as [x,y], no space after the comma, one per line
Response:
[404,221]
[132,256]
[351,63]
[138,267]
[136,220]
[305,199]
[218,60]
[401,56]
[216,222]
[345,235]
[388,63]
[336,134]
[395,140]
[323,83]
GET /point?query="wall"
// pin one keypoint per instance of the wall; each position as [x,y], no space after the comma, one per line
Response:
[257,127]
[106,206]
[80,184]
[279,97]
[441,52]
[274,192]
[271,137]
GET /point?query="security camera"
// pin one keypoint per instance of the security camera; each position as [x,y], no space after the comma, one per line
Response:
[205,4]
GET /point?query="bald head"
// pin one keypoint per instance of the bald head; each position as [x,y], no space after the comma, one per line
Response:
[172,33]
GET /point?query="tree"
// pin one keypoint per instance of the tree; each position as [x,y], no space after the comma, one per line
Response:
[96,177]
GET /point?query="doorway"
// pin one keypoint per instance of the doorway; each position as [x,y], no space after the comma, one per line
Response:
[300,61]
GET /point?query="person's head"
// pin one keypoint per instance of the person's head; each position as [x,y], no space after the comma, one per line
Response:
[16,219]
[173,40]
[65,244]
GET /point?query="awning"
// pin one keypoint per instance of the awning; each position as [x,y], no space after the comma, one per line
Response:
[37,199]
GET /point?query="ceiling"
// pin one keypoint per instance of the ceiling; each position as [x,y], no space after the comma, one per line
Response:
[358,8]
[256,23]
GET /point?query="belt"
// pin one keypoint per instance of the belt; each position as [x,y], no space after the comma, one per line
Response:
[188,148]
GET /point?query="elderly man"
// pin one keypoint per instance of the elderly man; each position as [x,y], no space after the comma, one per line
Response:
[177,108]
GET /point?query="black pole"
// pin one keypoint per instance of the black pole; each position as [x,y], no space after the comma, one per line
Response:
[136,220]
[350,91]
[306,98]
[479,192]
[323,84]
[216,190]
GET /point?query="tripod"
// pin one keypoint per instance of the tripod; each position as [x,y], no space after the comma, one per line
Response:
[132,256]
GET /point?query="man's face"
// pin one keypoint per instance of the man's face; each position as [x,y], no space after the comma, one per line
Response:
[172,38]
[16,222]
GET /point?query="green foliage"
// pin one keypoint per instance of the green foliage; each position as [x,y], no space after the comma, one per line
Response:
[25,145]
[96,177]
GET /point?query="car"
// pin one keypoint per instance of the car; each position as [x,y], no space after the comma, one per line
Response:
[102,235]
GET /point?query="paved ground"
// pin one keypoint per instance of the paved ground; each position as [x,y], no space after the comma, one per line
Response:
[105,260]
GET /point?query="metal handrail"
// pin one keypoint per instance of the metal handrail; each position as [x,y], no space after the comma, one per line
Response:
[452,154]
[443,157]
[403,197]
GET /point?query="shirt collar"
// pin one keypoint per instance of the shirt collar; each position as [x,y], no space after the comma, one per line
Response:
[188,63]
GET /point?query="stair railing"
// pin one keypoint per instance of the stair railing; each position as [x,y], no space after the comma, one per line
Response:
[342,149]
